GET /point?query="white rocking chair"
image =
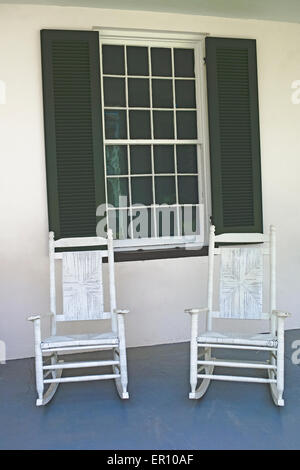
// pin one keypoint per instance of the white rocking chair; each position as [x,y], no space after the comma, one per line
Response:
[82,290]
[240,297]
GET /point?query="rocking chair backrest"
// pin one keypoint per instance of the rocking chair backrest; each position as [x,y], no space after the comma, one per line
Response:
[82,282]
[241,282]
[241,274]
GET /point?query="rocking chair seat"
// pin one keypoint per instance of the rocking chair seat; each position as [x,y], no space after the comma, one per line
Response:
[79,340]
[260,339]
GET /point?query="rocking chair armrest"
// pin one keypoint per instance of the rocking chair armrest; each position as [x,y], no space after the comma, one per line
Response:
[194,311]
[38,317]
[281,314]
[120,311]
[34,318]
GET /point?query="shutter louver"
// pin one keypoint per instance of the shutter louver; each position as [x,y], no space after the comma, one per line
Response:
[72,117]
[234,134]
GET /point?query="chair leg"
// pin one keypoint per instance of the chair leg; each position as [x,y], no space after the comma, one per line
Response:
[280,361]
[278,387]
[44,398]
[38,361]
[48,395]
[193,356]
[121,382]
[209,369]
[193,368]
[39,374]
[54,360]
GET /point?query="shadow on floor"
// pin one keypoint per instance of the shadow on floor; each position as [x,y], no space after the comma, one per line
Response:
[158,414]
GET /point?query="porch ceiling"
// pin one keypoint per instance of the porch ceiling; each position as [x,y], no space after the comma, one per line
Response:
[276,10]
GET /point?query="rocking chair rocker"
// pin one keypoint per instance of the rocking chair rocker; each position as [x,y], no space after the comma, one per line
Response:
[241,282]
[82,291]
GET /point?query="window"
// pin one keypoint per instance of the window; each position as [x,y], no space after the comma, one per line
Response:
[126,136]
[153,140]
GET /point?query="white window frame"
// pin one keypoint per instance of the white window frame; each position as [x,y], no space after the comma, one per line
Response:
[134,37]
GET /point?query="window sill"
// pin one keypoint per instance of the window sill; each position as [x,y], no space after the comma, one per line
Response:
[145,254]
[167,253]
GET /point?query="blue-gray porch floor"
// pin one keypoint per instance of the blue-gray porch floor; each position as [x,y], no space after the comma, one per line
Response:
[158,415]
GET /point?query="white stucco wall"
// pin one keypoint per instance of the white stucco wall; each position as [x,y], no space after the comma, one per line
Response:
[155,291]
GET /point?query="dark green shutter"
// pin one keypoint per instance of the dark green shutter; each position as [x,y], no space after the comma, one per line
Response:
[73,130]
[234,134]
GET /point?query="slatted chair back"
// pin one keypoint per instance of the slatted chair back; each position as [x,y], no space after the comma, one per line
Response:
[82,279]
[241,275]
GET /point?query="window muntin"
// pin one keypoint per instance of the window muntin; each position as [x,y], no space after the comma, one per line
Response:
[152,140]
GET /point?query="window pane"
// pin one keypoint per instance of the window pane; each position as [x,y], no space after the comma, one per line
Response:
[114,91]
[142,223]
[163,122]
[140,159]
[116,188]
[161,62]
[137,60]
[188,190]
[186,158]
[162,94]
[165,190]
[186,124]
[138,92]
[116,160]
[166,221]
[189,216]
[164,158]
[115,124]
[141,190]
[139,122]
[184,62]
[113,60]
[118,221]
[185,94]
